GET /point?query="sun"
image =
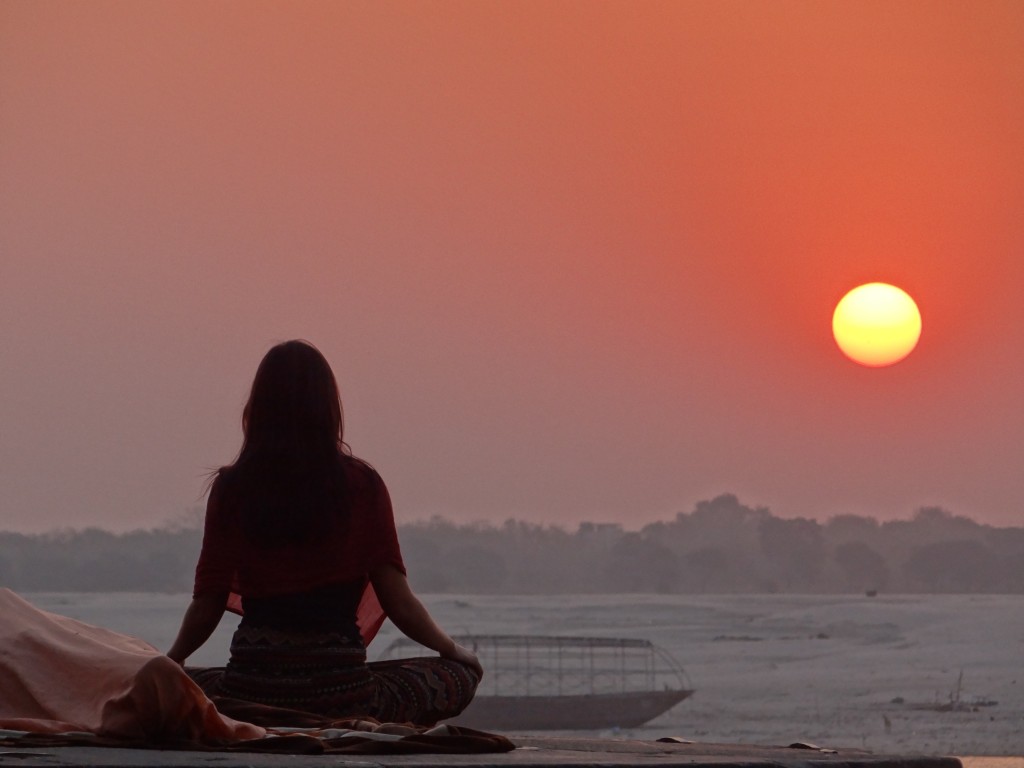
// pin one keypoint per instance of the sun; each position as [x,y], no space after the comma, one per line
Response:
[876,324]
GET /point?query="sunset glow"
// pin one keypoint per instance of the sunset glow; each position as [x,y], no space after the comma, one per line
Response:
[524,234]
[876,324]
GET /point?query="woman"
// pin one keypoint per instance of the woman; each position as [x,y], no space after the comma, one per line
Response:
[304,533]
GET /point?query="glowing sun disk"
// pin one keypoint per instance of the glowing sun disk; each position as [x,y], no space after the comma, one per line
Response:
[876,324]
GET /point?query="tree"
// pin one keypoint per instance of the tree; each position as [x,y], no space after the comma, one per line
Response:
[707,569]
[795,548]
[863,567]
[637,564]
[851,528]
[476,569]
[964,565]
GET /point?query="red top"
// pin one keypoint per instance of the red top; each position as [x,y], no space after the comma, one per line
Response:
[230,563]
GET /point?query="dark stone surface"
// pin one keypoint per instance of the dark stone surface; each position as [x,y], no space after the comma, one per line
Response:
[530,753]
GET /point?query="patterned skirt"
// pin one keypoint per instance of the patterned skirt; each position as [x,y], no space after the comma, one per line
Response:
[326,673]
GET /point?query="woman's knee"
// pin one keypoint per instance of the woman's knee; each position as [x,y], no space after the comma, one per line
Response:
[462,684]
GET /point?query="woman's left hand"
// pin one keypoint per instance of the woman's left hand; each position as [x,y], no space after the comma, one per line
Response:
[467,657]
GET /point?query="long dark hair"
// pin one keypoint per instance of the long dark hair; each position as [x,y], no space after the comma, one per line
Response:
[288,483]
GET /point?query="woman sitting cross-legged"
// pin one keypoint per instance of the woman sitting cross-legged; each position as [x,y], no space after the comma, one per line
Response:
[303,531]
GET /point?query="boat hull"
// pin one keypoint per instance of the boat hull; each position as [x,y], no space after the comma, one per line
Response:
[586,712]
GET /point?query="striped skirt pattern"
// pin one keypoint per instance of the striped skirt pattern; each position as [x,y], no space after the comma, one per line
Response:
[327,674]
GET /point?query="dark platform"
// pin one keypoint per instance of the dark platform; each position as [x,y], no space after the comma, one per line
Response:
[530,753]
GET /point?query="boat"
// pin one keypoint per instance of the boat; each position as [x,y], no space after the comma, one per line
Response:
[558,683]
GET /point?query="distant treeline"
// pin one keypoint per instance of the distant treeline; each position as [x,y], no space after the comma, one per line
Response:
[722,546]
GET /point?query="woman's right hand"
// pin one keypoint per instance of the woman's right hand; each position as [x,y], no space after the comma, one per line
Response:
[467,657]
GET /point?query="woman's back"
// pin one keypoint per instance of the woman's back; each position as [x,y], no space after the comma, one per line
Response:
[343,548]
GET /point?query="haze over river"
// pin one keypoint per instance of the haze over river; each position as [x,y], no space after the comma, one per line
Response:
[906,673]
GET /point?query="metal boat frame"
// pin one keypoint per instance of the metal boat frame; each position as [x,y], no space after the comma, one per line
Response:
[554,682]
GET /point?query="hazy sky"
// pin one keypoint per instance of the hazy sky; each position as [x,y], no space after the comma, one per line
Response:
[570,260]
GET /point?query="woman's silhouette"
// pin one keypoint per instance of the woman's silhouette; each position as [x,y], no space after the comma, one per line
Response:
[303,533]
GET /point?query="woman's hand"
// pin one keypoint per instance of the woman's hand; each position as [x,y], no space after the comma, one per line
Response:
[467,657]
[408,614]
[201,618]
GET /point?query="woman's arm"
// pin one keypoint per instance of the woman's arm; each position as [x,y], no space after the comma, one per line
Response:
[201,617]
[412,618]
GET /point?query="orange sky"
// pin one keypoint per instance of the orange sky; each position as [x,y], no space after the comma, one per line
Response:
[570,260]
